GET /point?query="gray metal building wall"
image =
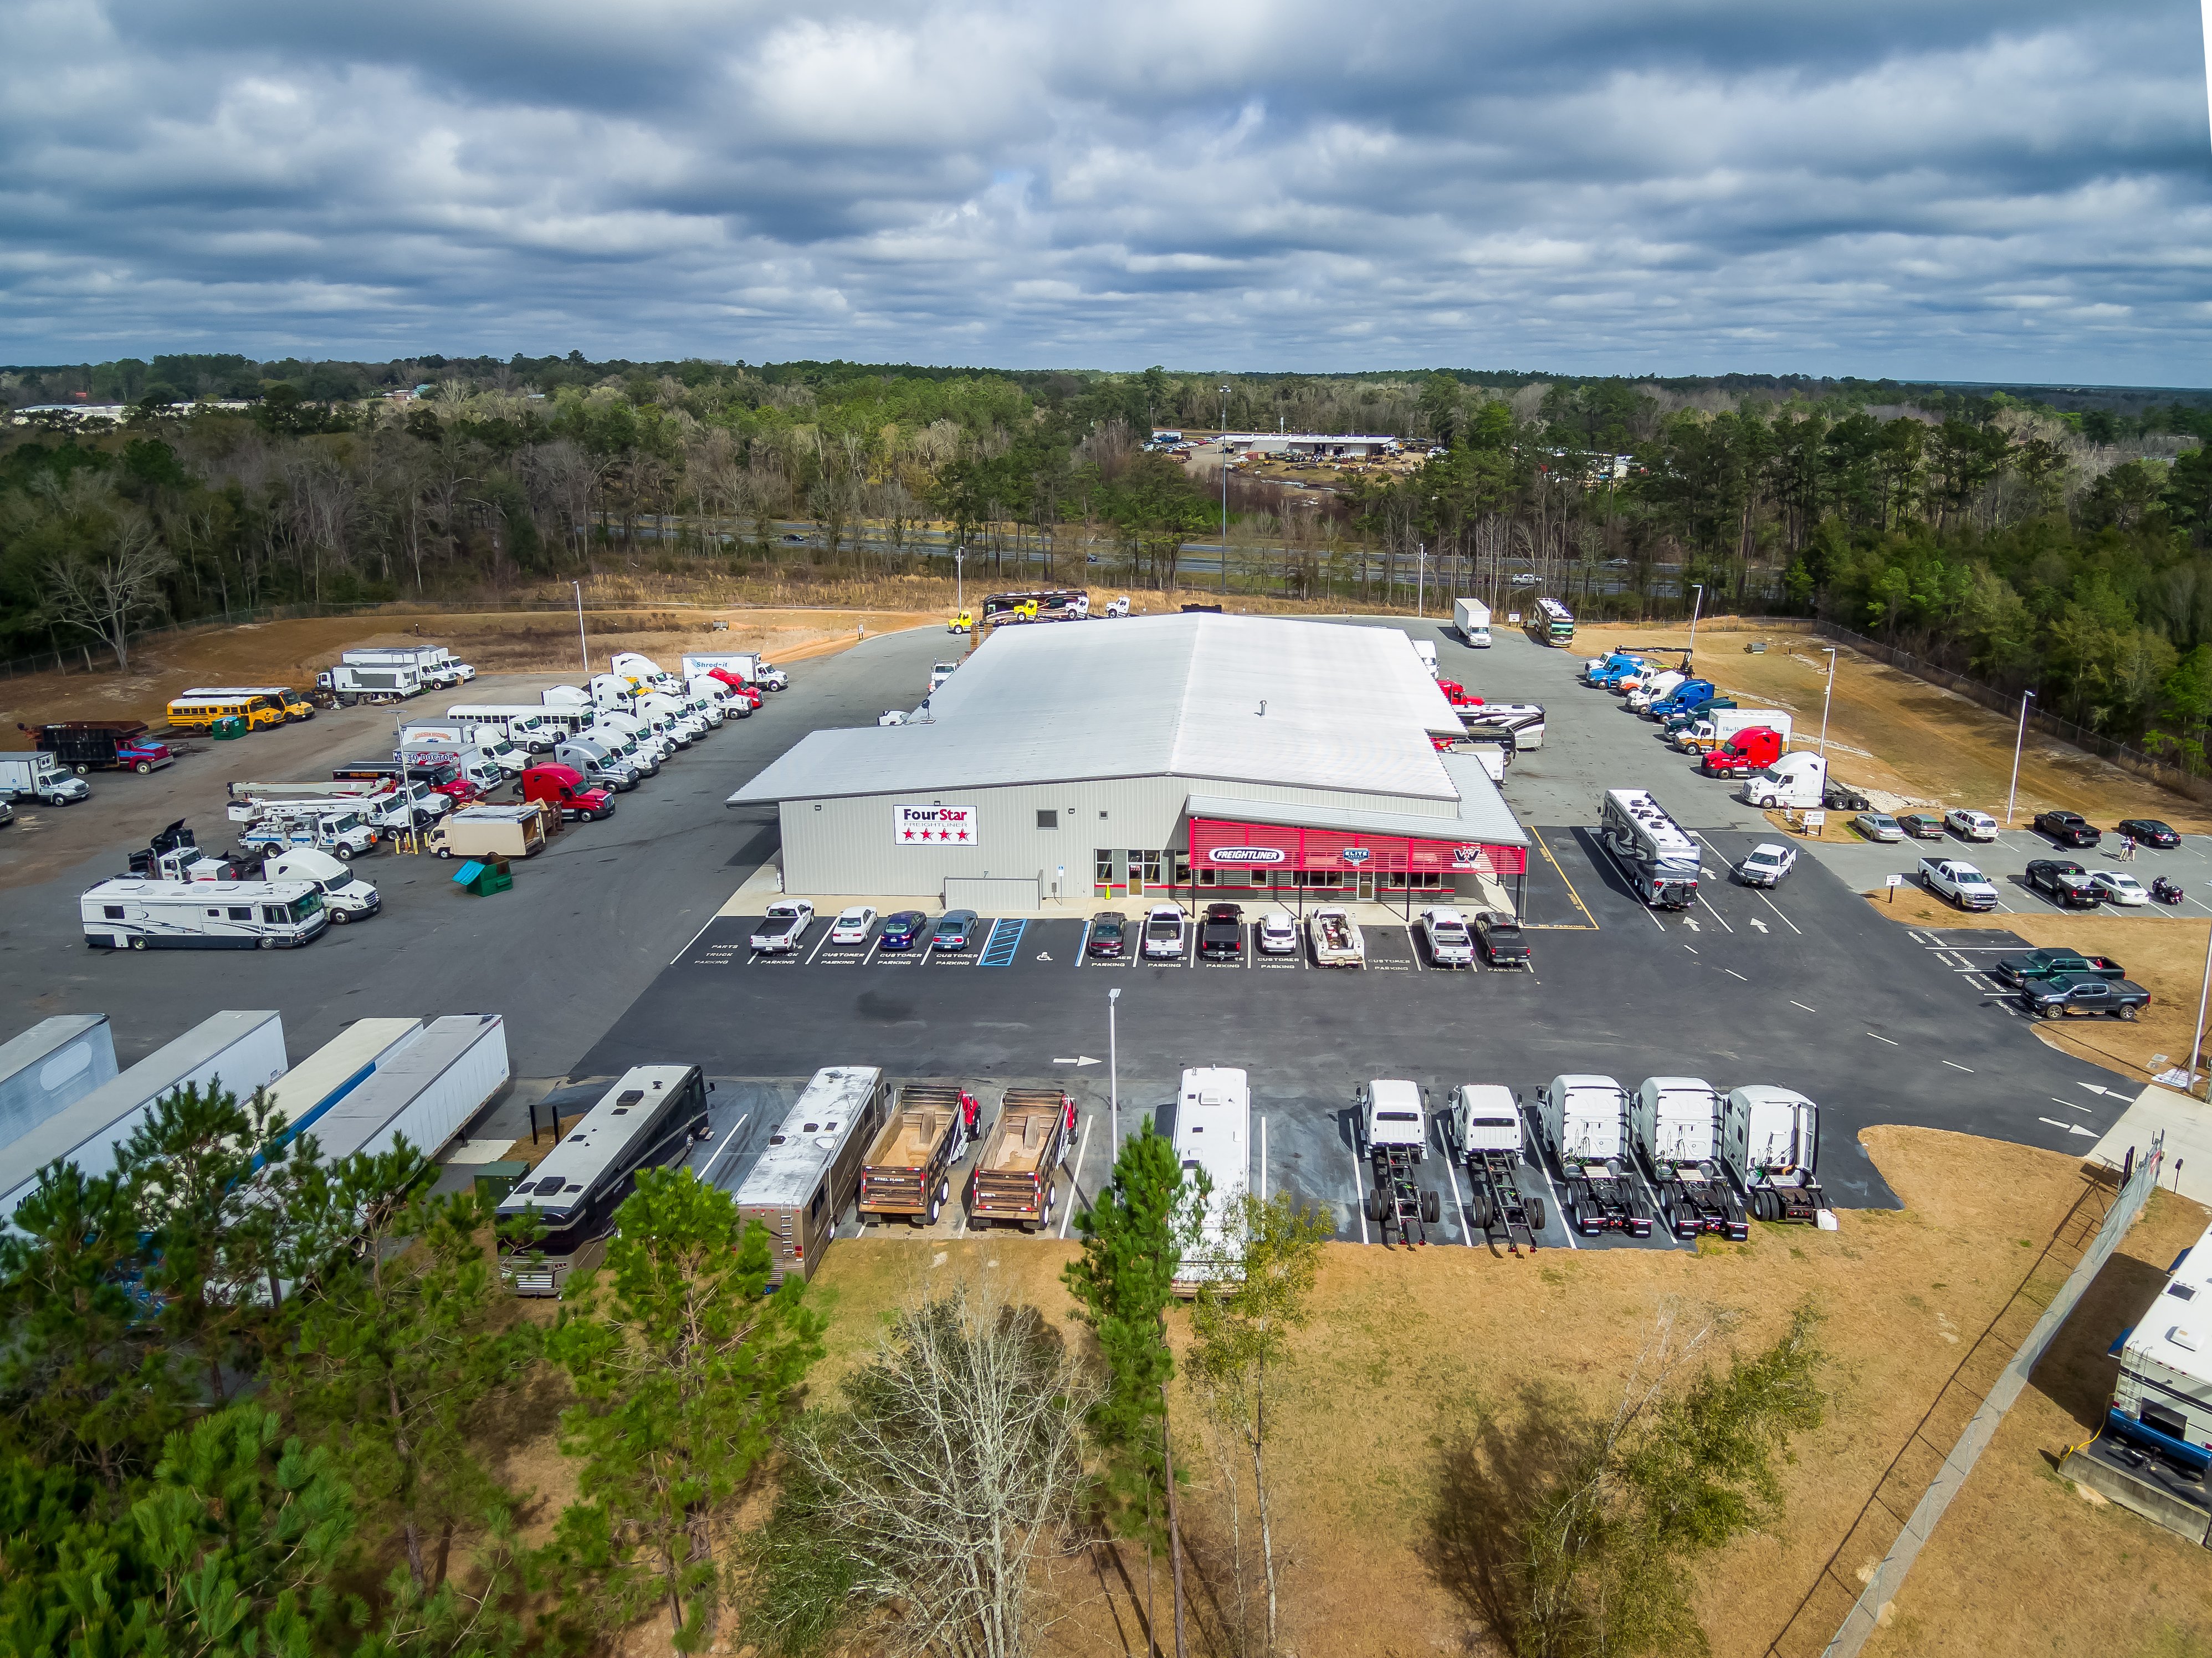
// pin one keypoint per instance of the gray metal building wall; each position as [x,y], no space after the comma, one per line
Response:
[846,846]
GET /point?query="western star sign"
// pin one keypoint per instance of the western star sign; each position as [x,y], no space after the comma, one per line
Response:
[933,826]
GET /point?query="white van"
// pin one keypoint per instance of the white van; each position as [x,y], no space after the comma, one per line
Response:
[1212,1136]
[127,912]
[523,723]
[1426,650]
[345,894]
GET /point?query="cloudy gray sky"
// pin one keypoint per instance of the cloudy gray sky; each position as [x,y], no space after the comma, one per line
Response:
[1964,189]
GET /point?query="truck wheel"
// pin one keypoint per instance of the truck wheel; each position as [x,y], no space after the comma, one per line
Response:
[936,1207]
[339,918]
[81,770]
[1374,1206]
[444,852]
[1536,1214]
[269,944]
[343,854]
[2128,1012]
[144,766]
[138,944]
[1432,1206]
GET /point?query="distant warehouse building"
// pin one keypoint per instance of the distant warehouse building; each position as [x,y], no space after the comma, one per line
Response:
[1199,752]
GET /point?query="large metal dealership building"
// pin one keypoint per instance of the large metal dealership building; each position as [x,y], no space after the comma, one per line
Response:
[1133,756]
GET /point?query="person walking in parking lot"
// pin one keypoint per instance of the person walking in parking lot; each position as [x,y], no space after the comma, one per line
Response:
[2127,848]
[968,1110]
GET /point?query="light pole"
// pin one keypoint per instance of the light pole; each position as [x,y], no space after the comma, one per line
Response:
[581,644]
[1420,578]
[2197,1046]
[1225,489]
[959,587]
[1696,605]
[2026,697]
[1113,1083]
[1827,697]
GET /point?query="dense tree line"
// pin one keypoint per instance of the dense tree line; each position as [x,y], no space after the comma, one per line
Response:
[2033,544]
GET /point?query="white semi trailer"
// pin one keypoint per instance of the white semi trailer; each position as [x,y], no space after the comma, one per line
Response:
[239,1051]
[50,1067]
[424,1094]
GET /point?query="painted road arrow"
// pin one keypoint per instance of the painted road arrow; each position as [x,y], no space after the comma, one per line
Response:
[1085,1059]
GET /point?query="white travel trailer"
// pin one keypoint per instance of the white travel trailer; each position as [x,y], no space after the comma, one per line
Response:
[134,913]
[240,1051]
[1212,1137]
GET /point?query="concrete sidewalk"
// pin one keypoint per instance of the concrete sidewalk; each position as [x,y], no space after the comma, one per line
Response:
[2187,1125]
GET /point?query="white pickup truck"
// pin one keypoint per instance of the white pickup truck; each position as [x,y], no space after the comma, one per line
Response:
[1336,940]
[1961,882]
[783,927]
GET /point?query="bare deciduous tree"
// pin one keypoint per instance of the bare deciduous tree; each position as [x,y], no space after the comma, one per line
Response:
[953,1476]
[105,593]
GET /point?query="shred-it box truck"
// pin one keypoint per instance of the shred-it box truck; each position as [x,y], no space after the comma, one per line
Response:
[1471,620]
[241,1051]
[811,1168]
[906,1173]
[1014,1182]
[50,1067]
[652,1116]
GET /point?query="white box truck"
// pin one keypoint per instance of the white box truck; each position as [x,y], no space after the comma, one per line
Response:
[241,1051]
[425,1093]
[749,666]
[351,684]
[42,778]
[1715,730]
[50,1067]
[1471,619]
[488,832]
[438,666]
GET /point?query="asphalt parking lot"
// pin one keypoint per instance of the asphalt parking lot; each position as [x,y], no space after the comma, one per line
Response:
[610,951]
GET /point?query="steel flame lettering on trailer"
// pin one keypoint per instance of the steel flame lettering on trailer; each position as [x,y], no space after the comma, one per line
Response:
[934,825]
[1248,855]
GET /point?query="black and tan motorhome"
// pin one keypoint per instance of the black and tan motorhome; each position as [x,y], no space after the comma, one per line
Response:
[811,1168]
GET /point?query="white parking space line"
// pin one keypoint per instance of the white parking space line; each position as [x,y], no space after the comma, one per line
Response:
[1771,904]
[1359,1198]
[1808,1010]
[818,944]
[1649,916]
[1465,1232]
[1263,1159]
[2071,1106]
[1955,1065]
[1076,1178]
[877,944]
[1558,1210]
[1083,946]
[1249,931]
[1885,1039]
[707,1167]
[1715,913]
[1733,973]
[692,940]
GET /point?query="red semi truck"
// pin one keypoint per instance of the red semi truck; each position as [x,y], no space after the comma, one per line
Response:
[1747,752]
[563,786]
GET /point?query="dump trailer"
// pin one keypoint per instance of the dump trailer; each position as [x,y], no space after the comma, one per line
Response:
[1336,940]
[1482,1128]
[1394,1136]
[906,1174]
[1771,1147]
[1584,1120]
[1674,1123]
[239,1051]
[1014,1181]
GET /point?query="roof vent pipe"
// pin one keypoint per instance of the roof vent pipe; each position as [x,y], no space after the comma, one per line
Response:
[1263,707]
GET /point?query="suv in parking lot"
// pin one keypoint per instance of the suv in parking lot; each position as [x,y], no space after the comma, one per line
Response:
[1221,934]
[1970,825]
[1163,933]
[1276,933]
[2067,829]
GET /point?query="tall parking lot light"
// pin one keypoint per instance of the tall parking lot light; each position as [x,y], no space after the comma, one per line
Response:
[1113,1083]
[959,587]
[1696,605]
[2026,697]
[581,643]
[2197,1047]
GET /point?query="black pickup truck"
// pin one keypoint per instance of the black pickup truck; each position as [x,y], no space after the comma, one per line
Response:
[2081,993]
[2065,881]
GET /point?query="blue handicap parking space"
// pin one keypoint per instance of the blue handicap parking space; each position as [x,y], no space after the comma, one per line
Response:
[1006,939]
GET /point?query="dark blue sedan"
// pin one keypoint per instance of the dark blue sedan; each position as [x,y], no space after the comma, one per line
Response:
[952,930]
[901,930]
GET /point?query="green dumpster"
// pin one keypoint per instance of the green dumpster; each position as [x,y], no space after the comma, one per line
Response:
[229,726]
[496,1180]
[483,877]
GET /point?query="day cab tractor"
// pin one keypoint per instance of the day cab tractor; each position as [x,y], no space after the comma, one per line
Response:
[1482,1128]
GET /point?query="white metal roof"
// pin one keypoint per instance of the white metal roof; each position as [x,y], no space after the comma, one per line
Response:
[1348,709]
[1482,813]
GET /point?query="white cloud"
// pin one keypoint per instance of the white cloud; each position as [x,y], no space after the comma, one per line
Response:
[1887,188]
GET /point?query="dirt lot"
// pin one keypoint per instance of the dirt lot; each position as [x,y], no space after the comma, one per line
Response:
[1890,732]
[293,652]
[1411,1353]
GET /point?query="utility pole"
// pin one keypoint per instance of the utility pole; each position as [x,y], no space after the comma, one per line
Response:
[1825,696]
[1224,498]
[581,643]
[1113,1083]
[2026,697]
[1175,1524]
[959,587]
[1420,578]
[1697,605]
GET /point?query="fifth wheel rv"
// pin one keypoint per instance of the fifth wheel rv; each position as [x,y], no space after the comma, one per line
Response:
[1654,851]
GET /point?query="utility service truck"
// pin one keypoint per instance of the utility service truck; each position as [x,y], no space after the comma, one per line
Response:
[1393,1128]
[652,1116]
[1584,1121]
[1481,1126]
[812,1167]
[1336,940]
[1770,1143]
[1212,1138]
[331,827]
[906,1173]
[1015,1181]
[1655,854]
[1674,1123]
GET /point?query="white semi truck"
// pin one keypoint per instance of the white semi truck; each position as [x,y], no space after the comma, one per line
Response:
[1674,1123]
[1584,1121]
[1771,1143]
[1392,1125]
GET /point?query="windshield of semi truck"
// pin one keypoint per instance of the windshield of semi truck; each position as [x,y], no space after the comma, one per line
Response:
[339,882]
[304,906]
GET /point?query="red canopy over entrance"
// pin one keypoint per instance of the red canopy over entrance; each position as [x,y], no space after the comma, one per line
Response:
[1258,848]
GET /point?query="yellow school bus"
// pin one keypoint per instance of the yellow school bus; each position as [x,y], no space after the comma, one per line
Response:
[293,703]
[197,709]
